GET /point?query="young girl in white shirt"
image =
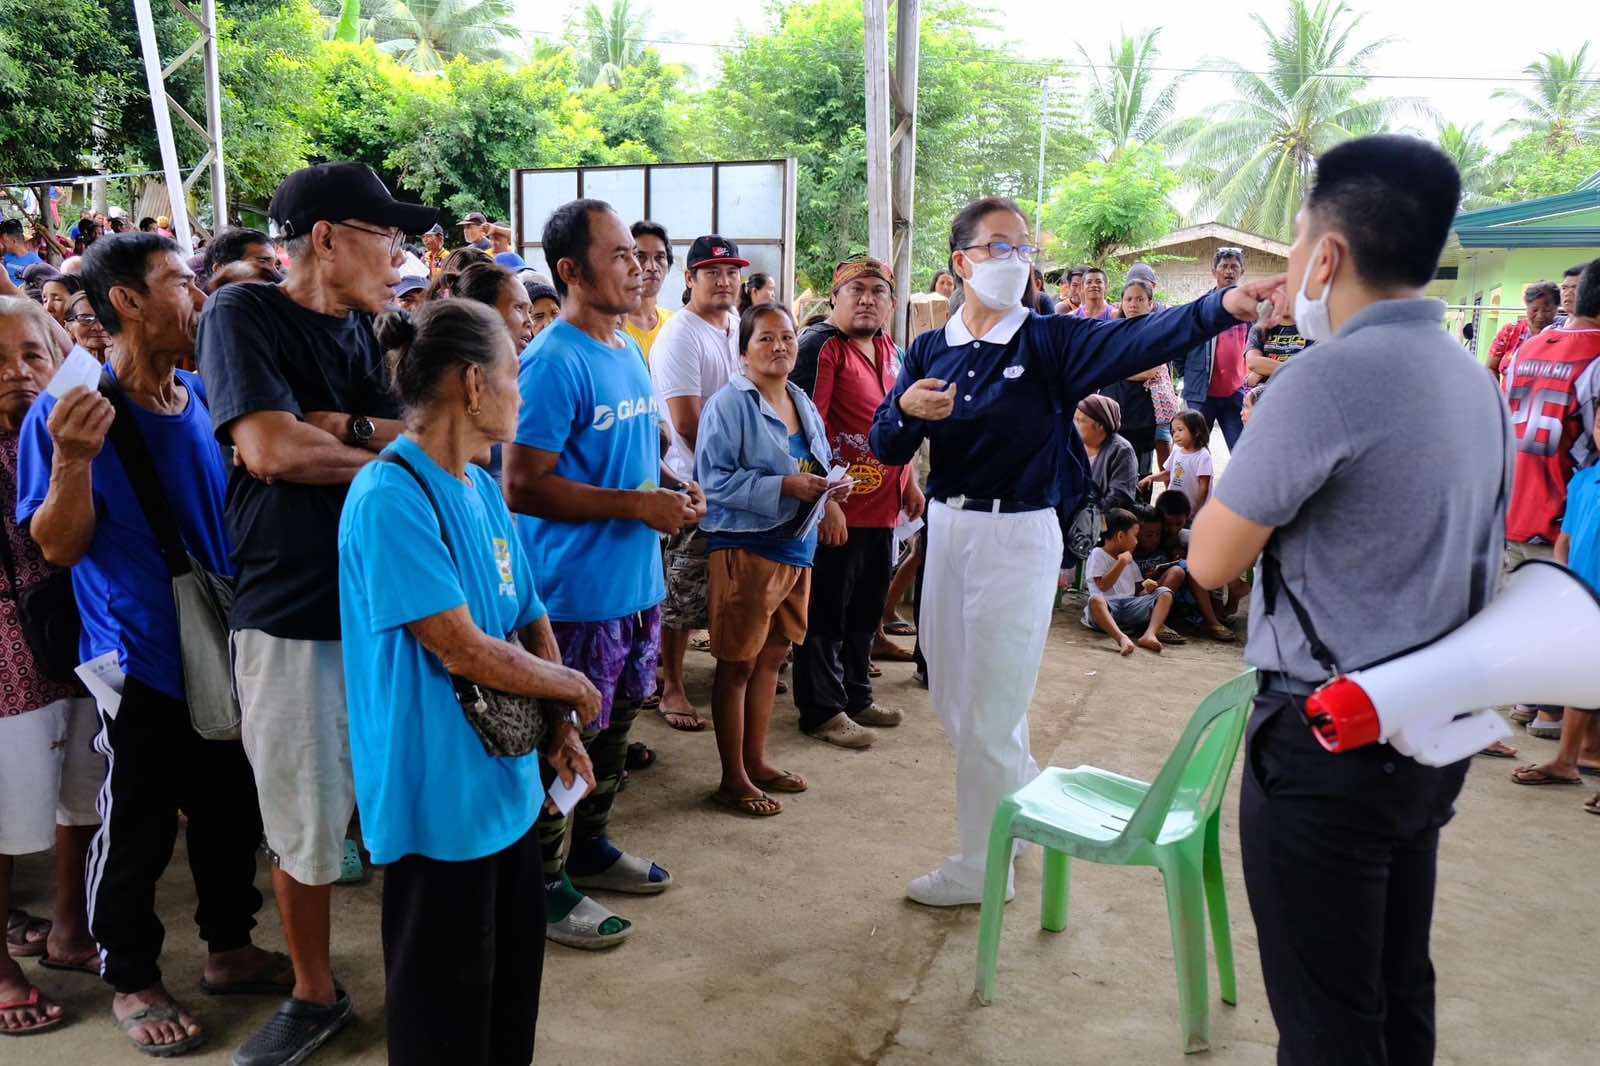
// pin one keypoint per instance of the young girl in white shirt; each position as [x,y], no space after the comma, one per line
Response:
[1189,467]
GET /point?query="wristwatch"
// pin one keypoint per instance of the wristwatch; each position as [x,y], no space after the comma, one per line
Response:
[361,430]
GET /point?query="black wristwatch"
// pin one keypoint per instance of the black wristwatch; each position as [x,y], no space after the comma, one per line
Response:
[362,430]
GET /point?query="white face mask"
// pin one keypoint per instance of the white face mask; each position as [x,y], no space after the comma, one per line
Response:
[1311,316]
[998,283]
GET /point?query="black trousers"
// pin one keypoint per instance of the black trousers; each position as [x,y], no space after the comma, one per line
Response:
[463,954]
[1340,855]
[849,584]
[159,766]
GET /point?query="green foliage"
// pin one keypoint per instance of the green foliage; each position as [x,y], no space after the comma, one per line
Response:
[1466,148]
[1124,101]
[1103,205]
[424,35]
[1564,105]
[609,41]
[636,113]
[59,63]
[348,29]
[1532,168]
[1252,157]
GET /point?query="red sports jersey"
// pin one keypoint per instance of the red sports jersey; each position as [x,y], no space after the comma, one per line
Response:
[1552,392]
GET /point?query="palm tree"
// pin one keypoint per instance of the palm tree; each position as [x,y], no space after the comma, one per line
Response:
[610,42]
[1472,157]
[1124,100]
[1565,102]
[426,34]
[1252,157]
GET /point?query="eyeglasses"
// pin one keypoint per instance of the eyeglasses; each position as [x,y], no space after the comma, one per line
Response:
[1004,250]
[395,237]
[1227,253]
[83,320]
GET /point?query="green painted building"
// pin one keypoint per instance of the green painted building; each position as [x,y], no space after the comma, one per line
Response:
[1494,253]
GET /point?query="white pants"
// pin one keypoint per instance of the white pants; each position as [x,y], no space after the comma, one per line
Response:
[986,599]
[49,773]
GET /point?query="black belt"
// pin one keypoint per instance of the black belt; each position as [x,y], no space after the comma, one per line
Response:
[973,503]
[1284,684]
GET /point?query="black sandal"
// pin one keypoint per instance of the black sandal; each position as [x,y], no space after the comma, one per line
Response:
[640,756]
[297,1030]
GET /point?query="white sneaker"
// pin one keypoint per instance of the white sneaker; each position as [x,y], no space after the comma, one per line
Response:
[938,889]
[879,715]
[843,731]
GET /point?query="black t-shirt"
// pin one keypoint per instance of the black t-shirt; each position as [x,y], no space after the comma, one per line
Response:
[260,351]
[1138,413]
[1279,342]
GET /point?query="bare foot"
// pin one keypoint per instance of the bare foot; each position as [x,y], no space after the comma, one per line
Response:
[76,946]
[1149,643]
[1125,646]
[15,988]
[157,1033]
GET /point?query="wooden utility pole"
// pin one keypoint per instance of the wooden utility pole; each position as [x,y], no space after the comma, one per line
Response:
[892,141]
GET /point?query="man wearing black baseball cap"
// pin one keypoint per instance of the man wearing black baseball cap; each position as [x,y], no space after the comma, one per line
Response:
[299,388]
[695,354]
[475,231]
[433,256]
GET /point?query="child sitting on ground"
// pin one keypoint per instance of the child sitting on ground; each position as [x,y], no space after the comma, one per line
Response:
[1120,599]
[1189,466]
[1152,556]
[1196,605]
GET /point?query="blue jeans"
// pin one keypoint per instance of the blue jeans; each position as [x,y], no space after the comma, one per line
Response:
[1226,412]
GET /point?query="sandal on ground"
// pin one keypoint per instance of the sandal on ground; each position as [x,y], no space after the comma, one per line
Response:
[890,652]
[1499,750]
[1589,771]
[874,670]
[652,701]
[1592,804]
[697,724]
[34,1002]
[640,756]
[154,1015]
[582,926]
[1544,732]
[629,874]
[1522,715]
[26,935]
[757,806]
[899,628]
[275,978]
[1536,775]
[1171,637]
[295,1032]
[1222,634]
[783,782]
[88,962]
[700,644]
[783,687]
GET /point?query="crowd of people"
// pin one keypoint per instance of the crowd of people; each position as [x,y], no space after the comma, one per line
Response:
[460,522]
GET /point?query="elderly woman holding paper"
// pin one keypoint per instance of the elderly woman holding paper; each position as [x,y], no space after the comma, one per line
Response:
[762,453]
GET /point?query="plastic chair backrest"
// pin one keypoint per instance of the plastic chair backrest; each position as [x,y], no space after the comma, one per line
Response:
[1196,773]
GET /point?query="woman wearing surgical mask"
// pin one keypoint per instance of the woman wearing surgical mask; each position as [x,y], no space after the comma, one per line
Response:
[993,393]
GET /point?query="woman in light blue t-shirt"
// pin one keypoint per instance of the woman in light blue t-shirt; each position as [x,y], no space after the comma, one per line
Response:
[433,582]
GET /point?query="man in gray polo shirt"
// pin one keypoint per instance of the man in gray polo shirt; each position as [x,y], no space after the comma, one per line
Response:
[1375,475]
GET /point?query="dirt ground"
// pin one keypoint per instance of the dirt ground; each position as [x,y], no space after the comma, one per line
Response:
[790,941]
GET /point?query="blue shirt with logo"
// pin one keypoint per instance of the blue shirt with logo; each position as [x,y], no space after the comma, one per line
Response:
[123,586]
[424,784]
[594,406]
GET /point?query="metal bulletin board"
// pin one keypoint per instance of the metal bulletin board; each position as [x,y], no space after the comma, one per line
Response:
[751,203]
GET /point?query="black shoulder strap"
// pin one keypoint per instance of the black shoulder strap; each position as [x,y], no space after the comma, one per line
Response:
[141,470]
[444,534]
[1271,582]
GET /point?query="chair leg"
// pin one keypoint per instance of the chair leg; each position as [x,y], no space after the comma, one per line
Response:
[1057,886]
[1217,904]
[996,872]
[1186,911]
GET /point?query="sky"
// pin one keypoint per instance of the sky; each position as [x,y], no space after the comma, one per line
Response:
[1452,54]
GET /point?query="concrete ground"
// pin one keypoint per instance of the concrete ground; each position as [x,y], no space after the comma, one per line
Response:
[789,940]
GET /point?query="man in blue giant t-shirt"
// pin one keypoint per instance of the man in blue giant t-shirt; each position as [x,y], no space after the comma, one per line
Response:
[74,494]
[19,255]
[585,466]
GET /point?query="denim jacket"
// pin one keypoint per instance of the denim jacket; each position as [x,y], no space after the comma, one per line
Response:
[742,456]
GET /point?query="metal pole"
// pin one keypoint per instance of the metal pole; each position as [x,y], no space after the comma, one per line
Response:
[158,106]
[907,57]
[1044,126]
[219,184]
[880,218]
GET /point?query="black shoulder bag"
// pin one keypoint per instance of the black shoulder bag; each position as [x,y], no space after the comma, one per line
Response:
[508,725]
[48,612]
[202,599]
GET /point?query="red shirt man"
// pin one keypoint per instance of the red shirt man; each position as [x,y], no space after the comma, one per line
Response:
[1552,390]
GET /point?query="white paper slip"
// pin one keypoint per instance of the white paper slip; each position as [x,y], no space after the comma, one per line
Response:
[103,677]
[567,798]
[906,530]
[79,368]
[839,484]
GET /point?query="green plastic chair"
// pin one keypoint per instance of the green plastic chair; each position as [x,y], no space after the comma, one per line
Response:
[1172,824]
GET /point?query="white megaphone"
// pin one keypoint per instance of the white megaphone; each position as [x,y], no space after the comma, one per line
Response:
[1532,644]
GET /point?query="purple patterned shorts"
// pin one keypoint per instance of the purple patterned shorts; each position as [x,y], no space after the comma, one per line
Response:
[618,655]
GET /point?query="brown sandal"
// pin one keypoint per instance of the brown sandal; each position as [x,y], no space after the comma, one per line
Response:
[784,782]
[760,806]
[1536,775]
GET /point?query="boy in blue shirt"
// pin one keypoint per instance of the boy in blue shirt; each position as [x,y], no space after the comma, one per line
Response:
[584,469]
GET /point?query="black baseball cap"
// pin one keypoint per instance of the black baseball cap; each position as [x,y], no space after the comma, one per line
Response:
[333,192]
[477,218]
[434,230]
[713,251]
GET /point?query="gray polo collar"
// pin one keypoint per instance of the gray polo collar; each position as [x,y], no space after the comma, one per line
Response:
[1396,312]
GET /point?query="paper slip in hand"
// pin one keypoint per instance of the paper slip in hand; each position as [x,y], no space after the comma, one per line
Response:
[906,530]
[103,677]
[79,368]
[567,798]
[839,484]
